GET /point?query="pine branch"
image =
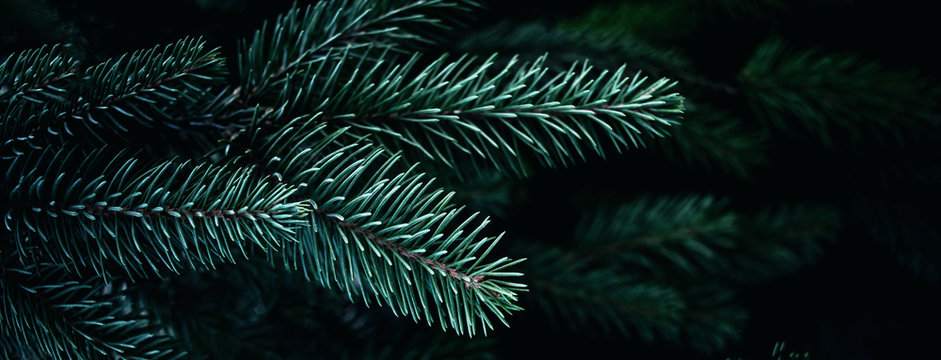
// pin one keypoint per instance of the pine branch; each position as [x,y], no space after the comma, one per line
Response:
[48,311]
[35,76]
[633,260]
[273,313]
[713,321]
[384,234]
[834,97]
[111,213]
[653,234]
[699,237]
[707,137]
[29,81]
[303,36]
[448,110]
[575,294]
[139,89]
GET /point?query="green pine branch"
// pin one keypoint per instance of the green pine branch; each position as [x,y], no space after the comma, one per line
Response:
[50,313]
[381,231]
[303,36]
[782,239]
[576,293]
[111,213]
[834,97]
[709,138]
[653,234]
[310,176]
[29,81]
[139,89]
[700,237]
[35,76]
[463,108]
[269,313]
[663,269]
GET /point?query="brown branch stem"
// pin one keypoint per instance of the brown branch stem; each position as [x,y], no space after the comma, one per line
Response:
[107,211]
[469,281]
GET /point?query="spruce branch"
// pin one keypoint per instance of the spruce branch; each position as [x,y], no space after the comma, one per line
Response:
[834,97]
[270,313]
[384,233]
[463,108]
[49,312]
[707,137]
[574,293]
[139,89]
[29,81]
[699,236]
[652,234]
[113,214]
[35,76]
[663,268]
[782,239]
[304,35]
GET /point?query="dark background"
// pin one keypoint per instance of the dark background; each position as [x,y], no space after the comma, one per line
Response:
[862,301]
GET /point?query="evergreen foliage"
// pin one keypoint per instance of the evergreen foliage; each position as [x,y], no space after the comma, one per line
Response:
[324,201]
[107,212]
[666,268]
[825,92]
[51,313]
[104,102]
[213,198]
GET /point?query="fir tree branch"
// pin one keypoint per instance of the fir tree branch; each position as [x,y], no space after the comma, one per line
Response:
[699,236]
[140,88]
[50,312]
[457,109]
[302,36]
[35,76]
[576,293]
[708,137]
[381,233]
[126,217]
[591,298]
[835,97]
[653,234]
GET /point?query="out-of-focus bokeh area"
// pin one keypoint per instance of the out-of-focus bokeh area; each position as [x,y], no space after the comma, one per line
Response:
[796,203]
